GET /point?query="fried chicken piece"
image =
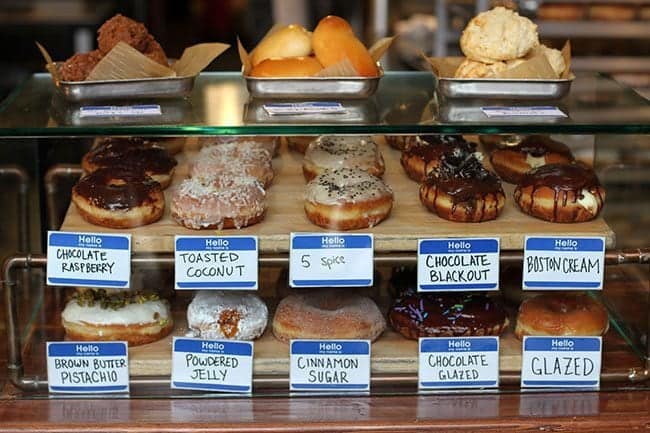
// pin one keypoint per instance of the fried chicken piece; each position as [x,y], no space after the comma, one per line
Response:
[155,52]
[122,29]
[77,67]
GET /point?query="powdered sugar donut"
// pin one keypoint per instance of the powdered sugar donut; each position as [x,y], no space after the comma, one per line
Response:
[215,314]
[235,159]
[226,201]
[331,153]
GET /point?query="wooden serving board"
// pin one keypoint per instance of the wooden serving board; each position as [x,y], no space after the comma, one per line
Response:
[408,222]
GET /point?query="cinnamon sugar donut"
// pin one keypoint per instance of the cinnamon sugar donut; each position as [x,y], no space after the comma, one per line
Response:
[118,198]
[424,153]
[331,153]
[223,202]
[327,314]
[246,159]
[347,199]
[562,193]
[269,143]
[558,314]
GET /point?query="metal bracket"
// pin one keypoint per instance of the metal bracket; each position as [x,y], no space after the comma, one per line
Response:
[21,176]
[52,179]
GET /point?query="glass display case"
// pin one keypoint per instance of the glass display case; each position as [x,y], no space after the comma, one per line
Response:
[606,126]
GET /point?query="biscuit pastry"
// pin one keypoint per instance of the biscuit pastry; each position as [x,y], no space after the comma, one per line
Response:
[471,69]
[497,35]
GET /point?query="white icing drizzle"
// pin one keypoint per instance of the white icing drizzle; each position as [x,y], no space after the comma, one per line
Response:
[349,185]
[130,314]
[335,152]
[205,309]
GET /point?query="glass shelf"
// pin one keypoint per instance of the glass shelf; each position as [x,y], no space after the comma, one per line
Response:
[404,104]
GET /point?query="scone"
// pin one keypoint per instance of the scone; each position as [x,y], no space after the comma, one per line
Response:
[471,69]
[497,35]
[554,58]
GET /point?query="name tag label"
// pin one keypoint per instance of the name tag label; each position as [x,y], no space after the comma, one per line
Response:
[561,263]
[120,110]
[213,365]
[87,367]
[535,111]
[292,108]
[572,362]
[216,262]
[330,365]
[325,260]
[458,264]
[88,260]
[458,362]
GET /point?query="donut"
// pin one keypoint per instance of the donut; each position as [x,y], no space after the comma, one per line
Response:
[612,12]
[561,193]
[104,315]
[561,11]
[224,202]
[558,314]
[299,143]
[417,315]
[327,314]
[399,142]
[462,190]
[424,153]
[216,314]
[270,143]
[347,199]
[511,162]
[246,159]
[330,153]
[134,153]
[118,198]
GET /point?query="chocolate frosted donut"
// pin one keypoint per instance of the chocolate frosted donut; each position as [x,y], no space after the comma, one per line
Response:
[461,189]
[424,153]
[447,315]
[562,193]
[118,198]
[511,160]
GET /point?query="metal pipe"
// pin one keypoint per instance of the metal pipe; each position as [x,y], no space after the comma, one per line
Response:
[20,174]
[51,181]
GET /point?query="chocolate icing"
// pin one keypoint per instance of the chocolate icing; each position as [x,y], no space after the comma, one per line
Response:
[539,145]
[116,188]
[132,152]
[432,147]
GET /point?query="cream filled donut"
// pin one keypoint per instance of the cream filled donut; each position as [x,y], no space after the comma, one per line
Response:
[215,314]
[347,199]
[331,153]
[222,202]
[234,159]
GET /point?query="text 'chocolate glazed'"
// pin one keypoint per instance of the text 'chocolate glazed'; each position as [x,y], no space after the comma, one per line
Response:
[561,193]
[117,188]
[447,315]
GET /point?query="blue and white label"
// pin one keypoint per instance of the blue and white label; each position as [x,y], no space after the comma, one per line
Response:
[212,365]
[326,260]
[87,367]
[120,110]
[293,108]
[458,362]
[330,365]
[88,260]
[561,362]
[564,263]
[534,111]
[216,262]
[458,264]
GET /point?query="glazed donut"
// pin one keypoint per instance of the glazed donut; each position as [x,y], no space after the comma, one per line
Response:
[399,142]
[557,314]
[134,153]
[417,315]
[327,314]
[425,152]
[511,162]
[270,143]
[561,193]
[234,159]
[612,12]
[223,202]
[299,143]
[331,153]
[118,198]
[100,315]
[215,314]
[462,190]
[347,199]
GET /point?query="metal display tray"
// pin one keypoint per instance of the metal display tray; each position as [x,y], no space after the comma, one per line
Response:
[313,87]
[502,88]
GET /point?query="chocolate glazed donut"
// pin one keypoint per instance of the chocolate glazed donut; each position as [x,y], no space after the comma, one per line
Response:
[561,193]
[424,153]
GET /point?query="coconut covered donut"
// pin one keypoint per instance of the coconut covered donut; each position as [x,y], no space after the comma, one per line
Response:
[347,199]
[269,143]
[246,159]
[331,153]
[215,314]
[327,314]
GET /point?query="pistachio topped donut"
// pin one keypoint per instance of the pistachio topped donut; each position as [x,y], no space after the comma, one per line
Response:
[347,199]
[331,153]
